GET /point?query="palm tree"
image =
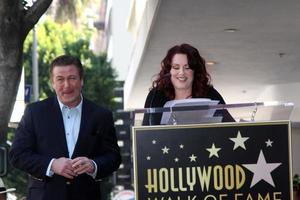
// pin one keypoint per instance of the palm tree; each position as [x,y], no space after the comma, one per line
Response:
[63,10]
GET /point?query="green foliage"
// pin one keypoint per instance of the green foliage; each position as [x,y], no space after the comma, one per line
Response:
[15,178]
[57,39]
[91,89]
[106,186]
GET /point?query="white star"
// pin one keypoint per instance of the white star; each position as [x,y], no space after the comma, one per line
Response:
[153,141]
[165,150]
[148,157]
[176,159]
[213,151]
[181,146]
[239,141]
[269,143]
[193,158]
[262,170]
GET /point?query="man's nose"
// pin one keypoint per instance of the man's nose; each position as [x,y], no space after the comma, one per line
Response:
[66,83]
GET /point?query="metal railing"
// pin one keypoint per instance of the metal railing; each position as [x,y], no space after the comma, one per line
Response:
[3,161]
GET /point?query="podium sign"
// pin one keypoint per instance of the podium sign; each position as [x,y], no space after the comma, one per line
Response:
[226,161]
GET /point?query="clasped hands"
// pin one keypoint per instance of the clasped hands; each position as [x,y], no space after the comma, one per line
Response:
[71,168]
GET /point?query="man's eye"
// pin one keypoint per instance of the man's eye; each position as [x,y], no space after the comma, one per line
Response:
[73,78]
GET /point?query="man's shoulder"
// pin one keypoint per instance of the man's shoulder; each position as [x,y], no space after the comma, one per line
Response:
[42,103]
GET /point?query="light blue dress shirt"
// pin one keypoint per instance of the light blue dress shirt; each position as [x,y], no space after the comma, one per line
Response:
[72,120]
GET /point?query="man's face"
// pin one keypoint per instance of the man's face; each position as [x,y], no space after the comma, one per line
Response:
[67,84]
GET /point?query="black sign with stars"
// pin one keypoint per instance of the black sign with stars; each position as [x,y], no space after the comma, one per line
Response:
[230,161]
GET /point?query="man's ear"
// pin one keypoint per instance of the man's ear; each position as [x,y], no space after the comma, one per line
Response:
[51,83]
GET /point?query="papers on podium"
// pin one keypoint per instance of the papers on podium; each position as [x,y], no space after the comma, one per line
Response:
[190,116]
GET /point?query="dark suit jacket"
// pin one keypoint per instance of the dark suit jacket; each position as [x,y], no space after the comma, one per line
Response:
[41,137]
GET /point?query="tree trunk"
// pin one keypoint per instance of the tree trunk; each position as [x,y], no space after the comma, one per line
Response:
[15,23]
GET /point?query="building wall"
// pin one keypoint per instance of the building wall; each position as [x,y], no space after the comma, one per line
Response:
[122,40]
[295,149]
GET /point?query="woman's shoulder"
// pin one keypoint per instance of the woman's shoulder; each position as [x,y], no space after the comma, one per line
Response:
[213,94]
[156,92]
[155,98]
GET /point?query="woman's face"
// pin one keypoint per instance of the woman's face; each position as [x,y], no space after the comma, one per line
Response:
[182,75]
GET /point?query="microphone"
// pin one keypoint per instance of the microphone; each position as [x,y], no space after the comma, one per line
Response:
[165,76]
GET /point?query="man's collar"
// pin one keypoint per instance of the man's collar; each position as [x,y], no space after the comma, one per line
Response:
[78,107]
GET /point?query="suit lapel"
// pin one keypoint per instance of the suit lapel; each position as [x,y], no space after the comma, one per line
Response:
[59,123]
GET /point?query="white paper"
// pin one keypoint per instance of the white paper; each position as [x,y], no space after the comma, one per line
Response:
[191,116]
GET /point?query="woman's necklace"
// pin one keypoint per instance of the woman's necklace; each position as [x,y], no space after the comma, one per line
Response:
[182,97]
[188,97]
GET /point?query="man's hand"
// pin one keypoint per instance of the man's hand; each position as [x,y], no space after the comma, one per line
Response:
[83,165]
[63,166]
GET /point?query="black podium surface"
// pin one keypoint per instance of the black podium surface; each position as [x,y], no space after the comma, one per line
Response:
[228,161]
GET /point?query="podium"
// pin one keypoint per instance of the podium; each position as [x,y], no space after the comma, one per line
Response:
[245,157]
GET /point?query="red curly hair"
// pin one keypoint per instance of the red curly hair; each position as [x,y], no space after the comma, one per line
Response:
[201,81]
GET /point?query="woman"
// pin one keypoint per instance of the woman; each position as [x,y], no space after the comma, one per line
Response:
[183,75]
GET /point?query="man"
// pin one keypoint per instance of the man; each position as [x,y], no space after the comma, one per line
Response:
[4,191]
[65,143]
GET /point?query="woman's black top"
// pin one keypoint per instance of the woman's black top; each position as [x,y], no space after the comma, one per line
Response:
[156,99]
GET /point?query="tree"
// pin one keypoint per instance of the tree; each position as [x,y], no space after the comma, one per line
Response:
[55,39]
[16,20]
[100,81]
[72,10]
